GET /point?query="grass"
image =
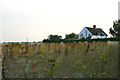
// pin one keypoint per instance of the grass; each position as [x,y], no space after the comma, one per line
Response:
[61,60]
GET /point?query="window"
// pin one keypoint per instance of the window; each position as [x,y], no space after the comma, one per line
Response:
[89,35]
[101,34]
[81,34]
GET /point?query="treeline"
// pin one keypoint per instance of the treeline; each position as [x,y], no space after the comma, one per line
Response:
[80,40]
[71,40]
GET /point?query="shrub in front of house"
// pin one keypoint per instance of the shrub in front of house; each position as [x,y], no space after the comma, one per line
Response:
[80,40]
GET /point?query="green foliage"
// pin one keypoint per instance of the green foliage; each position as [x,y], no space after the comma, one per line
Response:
[54,37]
[71,36]
[80,40]
[89,40]
[116,29]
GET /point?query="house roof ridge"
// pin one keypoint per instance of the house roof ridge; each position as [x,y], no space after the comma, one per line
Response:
[95,30]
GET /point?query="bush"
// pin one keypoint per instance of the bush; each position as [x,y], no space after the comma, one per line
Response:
[80,40]
[89,40]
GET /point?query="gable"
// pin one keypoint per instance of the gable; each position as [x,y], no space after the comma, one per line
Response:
[83,33]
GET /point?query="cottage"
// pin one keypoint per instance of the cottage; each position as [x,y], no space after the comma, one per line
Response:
[92,33]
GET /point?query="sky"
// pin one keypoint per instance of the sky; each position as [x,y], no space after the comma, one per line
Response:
[36,19]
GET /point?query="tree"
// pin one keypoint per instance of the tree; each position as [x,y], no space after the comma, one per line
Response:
[54,37]
[116,29]
[71,36]
[112,32]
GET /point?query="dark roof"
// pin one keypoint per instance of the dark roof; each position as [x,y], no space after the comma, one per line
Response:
[96,31]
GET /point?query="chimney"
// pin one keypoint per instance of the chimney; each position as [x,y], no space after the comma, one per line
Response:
[94,26]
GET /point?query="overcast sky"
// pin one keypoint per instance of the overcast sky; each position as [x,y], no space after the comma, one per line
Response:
[36,19]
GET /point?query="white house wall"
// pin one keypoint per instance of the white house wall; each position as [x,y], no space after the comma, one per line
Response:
[84,33]
[94,36]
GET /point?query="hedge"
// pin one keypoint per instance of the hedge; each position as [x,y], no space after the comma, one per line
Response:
[80,40]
